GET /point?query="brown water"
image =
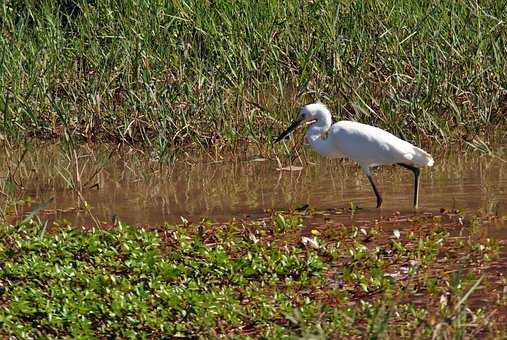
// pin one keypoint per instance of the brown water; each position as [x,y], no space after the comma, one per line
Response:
[141,192]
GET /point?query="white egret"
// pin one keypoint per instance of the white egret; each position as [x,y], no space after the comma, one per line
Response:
[369,146]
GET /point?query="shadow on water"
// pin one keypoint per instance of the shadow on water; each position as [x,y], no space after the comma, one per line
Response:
[142,192]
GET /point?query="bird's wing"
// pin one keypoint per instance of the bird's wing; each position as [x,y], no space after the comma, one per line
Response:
[373,146]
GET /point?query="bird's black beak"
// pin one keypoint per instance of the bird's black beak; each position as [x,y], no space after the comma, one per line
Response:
[292,127]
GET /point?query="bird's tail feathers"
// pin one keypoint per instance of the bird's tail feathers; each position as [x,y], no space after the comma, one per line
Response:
[421,158]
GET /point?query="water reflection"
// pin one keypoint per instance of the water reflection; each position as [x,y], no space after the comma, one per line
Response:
[141,192]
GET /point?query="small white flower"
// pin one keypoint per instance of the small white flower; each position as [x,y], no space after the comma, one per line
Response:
[443,300]
[396,233]
[309,241]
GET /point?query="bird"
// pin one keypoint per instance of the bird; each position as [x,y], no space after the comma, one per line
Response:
[367,145]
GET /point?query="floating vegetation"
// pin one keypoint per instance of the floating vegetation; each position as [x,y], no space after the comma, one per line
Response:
[272,277]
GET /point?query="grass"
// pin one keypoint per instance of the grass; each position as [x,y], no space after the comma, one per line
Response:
[170,77]
[191,74]
[252,278]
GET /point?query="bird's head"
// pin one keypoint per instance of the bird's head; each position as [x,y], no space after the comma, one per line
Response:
[311,112]
[308,113]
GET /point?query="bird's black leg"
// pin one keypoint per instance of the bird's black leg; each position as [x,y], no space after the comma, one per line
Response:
[379,198]
[416,172]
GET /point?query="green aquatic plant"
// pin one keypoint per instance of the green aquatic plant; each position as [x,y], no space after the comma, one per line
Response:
[217,279]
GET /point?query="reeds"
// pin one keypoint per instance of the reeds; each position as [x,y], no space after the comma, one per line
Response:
[190,74]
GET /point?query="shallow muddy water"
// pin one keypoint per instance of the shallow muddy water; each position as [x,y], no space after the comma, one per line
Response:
[144,193]
[137,191]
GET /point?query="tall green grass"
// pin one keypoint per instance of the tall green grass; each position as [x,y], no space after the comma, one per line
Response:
[172,74]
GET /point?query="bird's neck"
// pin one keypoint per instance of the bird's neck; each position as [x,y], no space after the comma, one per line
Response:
[319,129]
[317,135]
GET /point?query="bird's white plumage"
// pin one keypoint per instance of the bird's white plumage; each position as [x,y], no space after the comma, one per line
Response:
[365,144]
[375,146]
